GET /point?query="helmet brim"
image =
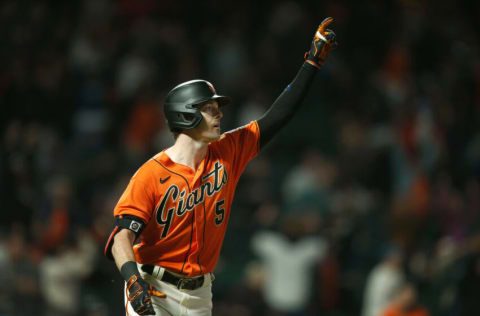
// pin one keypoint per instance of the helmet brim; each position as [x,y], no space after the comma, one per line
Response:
[222,100]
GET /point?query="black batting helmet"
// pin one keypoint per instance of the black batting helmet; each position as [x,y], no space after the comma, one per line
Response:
[181,100]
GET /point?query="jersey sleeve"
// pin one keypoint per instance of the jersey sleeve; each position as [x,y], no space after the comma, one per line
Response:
[138,199]
[242,144]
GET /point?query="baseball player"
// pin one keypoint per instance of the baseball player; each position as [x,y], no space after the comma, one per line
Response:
[171,219]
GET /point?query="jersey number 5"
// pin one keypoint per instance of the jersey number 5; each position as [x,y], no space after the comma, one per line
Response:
[219,212]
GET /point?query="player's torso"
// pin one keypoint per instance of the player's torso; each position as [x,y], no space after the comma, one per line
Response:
[191,211]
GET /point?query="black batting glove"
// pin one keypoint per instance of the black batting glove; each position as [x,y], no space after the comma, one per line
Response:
[139,291]
[323,42]
[140,295]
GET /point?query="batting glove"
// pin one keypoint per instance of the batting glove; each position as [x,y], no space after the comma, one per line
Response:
[139,295]
[323,42]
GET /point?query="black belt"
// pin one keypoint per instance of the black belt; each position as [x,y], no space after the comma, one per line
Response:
[180,283]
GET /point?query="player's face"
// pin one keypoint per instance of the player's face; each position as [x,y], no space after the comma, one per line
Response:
[209,128]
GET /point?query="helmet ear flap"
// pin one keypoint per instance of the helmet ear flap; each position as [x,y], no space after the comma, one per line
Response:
[180,117]
[188,117]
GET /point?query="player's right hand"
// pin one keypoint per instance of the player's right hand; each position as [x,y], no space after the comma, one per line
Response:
[139,295]
[323,42]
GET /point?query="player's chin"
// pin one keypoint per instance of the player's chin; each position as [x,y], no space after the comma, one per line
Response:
[214,136]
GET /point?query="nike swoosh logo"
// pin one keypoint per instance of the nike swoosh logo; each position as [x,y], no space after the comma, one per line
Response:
[162,181]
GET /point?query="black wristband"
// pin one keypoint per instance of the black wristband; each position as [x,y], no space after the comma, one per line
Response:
[128,269]
[309,66]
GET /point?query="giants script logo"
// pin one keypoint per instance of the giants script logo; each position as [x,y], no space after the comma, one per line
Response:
[182,202]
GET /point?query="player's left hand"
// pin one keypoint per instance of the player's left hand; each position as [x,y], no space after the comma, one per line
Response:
[139,295]
[323,42]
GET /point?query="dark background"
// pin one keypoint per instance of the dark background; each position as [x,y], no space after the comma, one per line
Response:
[388,138]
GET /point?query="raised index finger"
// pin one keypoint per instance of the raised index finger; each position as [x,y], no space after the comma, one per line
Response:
[324,24]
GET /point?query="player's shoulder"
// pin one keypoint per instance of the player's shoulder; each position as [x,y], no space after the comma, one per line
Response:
[252,126]
[232,134]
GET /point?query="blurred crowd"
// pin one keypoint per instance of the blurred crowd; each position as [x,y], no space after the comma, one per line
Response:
[368,203]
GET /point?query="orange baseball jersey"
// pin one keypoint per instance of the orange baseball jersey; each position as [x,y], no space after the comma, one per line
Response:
[396,311]
[186,211]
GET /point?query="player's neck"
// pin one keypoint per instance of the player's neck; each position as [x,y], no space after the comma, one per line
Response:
[187,151]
